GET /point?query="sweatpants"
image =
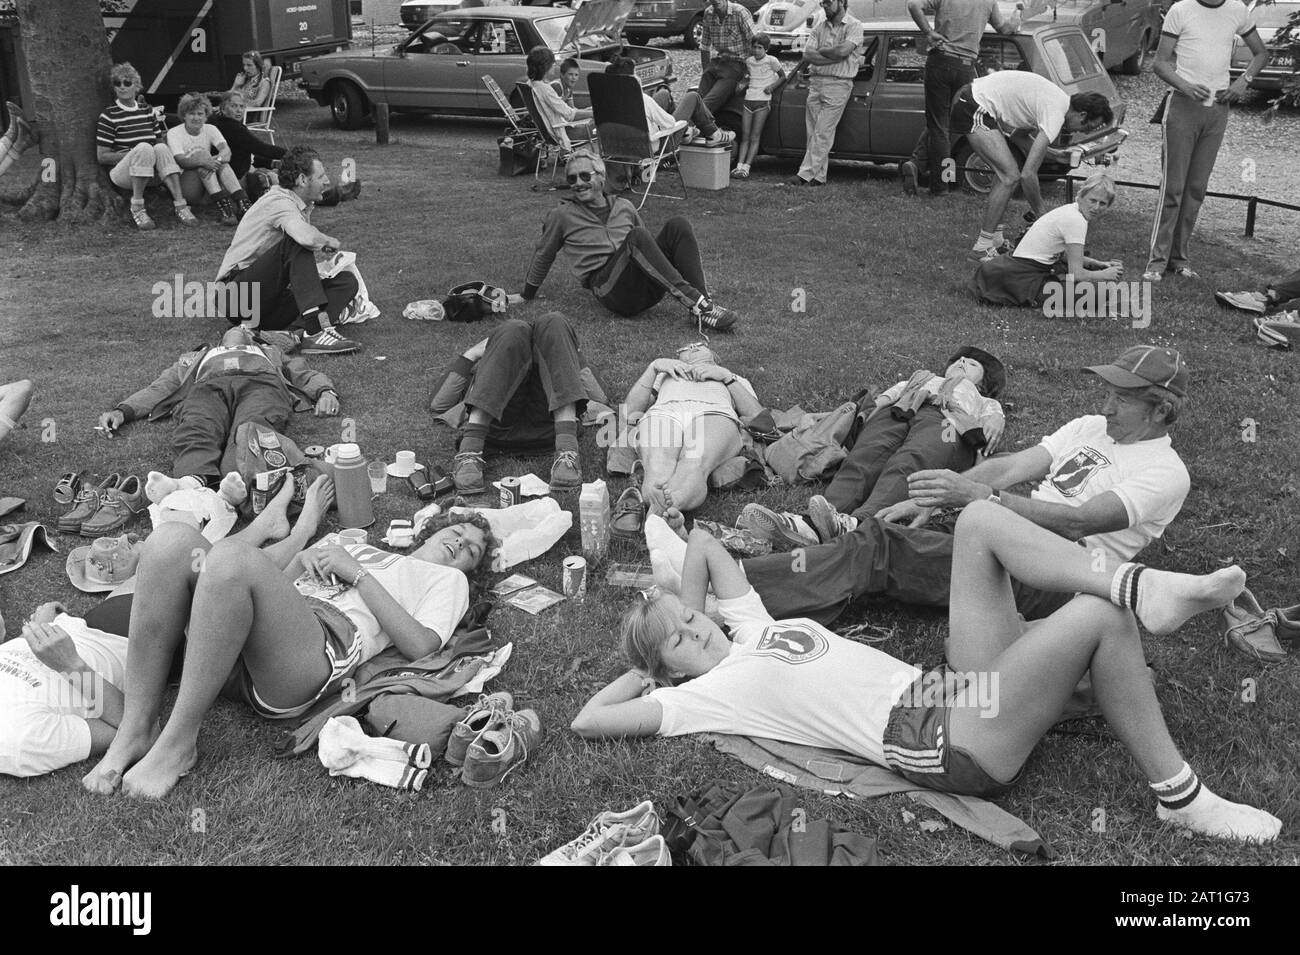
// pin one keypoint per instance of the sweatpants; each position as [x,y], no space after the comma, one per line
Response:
[210,415]
[646,267]
[1193,133]
[889,560]
[530,370]
[288,290]
[887,450]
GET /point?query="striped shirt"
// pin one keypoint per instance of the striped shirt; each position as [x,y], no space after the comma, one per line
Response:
[121,128]
[730,35]
[827,34]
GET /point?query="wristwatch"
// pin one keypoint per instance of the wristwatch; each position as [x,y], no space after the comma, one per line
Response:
[729,382]
[995,497]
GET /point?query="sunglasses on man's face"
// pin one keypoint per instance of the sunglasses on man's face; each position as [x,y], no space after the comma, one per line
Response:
[123,83]
[692,346]
[573,177]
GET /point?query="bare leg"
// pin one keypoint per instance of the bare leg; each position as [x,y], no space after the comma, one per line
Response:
[244,605]
[992,147]
[165,580]
[138,186]
[710,440]
[173,183]
[1028,683]
[660,443]
[14,398]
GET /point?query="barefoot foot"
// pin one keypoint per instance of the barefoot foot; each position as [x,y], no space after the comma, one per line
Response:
[125,750]
[1165,600]
[157,774]
[158,485]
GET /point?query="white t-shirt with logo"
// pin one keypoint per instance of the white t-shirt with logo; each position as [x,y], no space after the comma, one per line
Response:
[1148,476]
[1020,100]
[209,140]
[436,596]
[43,714]
[1047,238]
[1204,48]
[790,680]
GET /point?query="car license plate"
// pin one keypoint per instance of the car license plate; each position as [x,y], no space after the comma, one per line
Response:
[778,18]
[1281,59]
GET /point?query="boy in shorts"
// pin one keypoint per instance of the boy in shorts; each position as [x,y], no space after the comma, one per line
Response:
[765,75]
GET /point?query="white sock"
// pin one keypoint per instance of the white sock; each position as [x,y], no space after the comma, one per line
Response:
[383,771]
[158,485]
[1186,802]
[233,488]
[1164,601]
[345,735]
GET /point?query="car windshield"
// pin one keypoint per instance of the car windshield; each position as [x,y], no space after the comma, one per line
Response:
[1071,57]
[552,30]
[1272,16]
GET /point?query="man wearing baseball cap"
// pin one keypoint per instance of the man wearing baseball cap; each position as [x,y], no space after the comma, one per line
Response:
[1111,481]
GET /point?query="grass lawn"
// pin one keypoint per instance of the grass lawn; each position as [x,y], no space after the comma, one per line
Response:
[884,279]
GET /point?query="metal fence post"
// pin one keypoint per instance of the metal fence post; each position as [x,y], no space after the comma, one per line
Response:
[1250,217]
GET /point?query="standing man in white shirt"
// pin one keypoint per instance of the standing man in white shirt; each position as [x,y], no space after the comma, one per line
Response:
[833,56]
[1195,49]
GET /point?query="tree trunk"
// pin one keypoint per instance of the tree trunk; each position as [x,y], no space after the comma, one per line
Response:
[67,60]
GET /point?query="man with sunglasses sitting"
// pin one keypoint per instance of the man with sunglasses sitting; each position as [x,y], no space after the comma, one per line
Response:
[613,254]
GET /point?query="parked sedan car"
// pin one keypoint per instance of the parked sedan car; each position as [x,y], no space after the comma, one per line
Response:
[1121,31]
[683,18]
[886,111]
[787,23]
[439,68]
[1268,18]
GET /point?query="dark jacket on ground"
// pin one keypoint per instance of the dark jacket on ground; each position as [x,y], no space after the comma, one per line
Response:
[244,145]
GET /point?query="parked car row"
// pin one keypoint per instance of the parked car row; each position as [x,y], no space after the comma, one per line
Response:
[439,68]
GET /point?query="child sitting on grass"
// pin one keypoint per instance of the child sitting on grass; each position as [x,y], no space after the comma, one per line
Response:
[765,75]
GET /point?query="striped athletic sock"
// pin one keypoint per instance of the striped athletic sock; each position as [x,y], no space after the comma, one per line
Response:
[1179,791]
[1124,585]
[474,436]
[566,435]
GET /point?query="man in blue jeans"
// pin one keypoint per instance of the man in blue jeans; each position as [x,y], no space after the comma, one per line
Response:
[728,34]
[1112,482]
[954,47]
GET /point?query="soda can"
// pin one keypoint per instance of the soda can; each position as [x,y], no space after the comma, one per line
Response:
[314,451]
[575,578]
[510,491]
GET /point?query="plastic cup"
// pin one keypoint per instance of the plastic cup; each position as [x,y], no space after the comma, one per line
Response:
[353,535]
[378,477]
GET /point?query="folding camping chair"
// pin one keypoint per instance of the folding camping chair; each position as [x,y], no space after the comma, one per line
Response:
[553,147]
[264,113]
[624,131]
[515,117]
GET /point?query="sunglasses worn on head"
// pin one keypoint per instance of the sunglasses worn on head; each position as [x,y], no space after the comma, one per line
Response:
[573,177]
[692,346]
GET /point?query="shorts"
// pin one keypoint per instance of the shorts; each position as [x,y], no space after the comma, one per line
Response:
[917,748]
[757,105]
[656,429]
[967,114]
[342,650]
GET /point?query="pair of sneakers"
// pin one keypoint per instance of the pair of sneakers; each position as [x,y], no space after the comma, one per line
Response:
[1258,633]
[327,341]
[492,740]
[709,315]
[616,838]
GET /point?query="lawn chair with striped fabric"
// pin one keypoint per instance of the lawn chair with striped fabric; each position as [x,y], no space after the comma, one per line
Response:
[625,137]
[264,113]
[520,123]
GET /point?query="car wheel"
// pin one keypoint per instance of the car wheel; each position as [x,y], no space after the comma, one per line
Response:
[347,105]
[976,175]
[695,32]
[1132,66]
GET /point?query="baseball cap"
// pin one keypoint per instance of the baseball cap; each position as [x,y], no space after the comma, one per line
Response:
[1144,365]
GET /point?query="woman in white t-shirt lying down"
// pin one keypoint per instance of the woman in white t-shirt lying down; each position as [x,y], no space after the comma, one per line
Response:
[1051,250]
[60,692]
[968,733]
[691,424]
[275,628]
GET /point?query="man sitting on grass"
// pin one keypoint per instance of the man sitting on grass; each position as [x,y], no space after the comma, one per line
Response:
[614,255]
[523,385]
[212,391]
[1112,482]
[273,252]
